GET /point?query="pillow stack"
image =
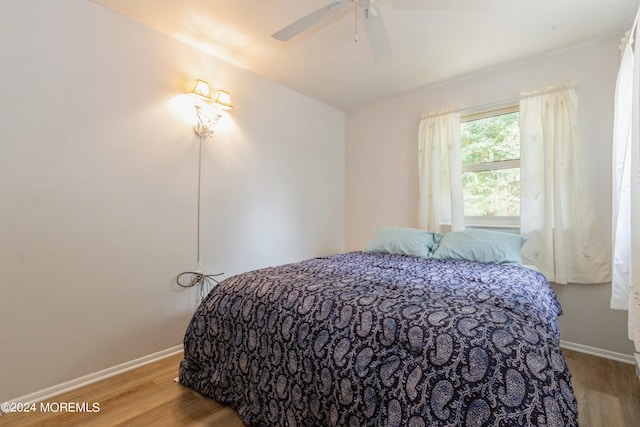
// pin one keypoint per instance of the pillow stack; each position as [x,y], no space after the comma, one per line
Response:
[471,245]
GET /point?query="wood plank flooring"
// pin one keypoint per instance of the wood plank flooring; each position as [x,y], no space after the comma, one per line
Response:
[608,392]
[608,395]
[147,396]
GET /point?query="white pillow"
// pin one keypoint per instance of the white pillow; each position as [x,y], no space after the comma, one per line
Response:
[404,241]
[482,246]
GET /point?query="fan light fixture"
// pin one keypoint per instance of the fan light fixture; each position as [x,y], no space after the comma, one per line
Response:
[208,109]
[374,24]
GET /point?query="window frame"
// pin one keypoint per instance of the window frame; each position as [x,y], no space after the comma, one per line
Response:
[506,223]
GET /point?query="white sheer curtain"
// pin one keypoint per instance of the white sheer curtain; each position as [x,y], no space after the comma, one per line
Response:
[440,173]
[625,286]
[556,208]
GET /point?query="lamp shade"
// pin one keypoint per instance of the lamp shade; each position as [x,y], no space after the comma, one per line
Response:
[201,89]
[222,99]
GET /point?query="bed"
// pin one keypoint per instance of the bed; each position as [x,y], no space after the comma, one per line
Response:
[382,339]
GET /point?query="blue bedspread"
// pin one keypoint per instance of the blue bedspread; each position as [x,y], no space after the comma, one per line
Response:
[362,339]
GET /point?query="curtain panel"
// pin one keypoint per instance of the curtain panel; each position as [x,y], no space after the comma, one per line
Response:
[440,174]
[556,213]
[625,286]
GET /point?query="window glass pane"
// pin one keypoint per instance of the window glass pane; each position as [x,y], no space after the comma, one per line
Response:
[492,193]
[491,139]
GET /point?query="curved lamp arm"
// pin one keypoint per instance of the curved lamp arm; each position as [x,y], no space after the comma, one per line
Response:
[207,120]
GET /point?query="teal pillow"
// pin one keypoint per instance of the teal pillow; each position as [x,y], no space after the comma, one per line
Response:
[482,246]
[404,241]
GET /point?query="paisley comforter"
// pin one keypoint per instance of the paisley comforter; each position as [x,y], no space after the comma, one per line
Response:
[363,339]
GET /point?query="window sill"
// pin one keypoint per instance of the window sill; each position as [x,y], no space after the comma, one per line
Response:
[507,228]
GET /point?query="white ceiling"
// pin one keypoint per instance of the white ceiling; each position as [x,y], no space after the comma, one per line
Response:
[432,40]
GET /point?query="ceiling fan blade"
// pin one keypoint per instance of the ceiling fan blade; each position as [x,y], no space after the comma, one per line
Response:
[308,21]
[377,32]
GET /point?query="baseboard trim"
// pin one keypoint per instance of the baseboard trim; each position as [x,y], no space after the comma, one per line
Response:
[594,351]
[74,384]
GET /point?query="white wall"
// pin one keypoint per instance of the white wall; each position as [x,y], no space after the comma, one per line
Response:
[382,168]
[98,173]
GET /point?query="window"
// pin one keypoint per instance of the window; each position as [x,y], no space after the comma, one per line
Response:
[491,168]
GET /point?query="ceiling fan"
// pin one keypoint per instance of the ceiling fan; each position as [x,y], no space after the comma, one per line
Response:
[374,24]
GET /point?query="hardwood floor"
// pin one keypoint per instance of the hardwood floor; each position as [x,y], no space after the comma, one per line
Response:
[608,392]
[608,395]
[147,396]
